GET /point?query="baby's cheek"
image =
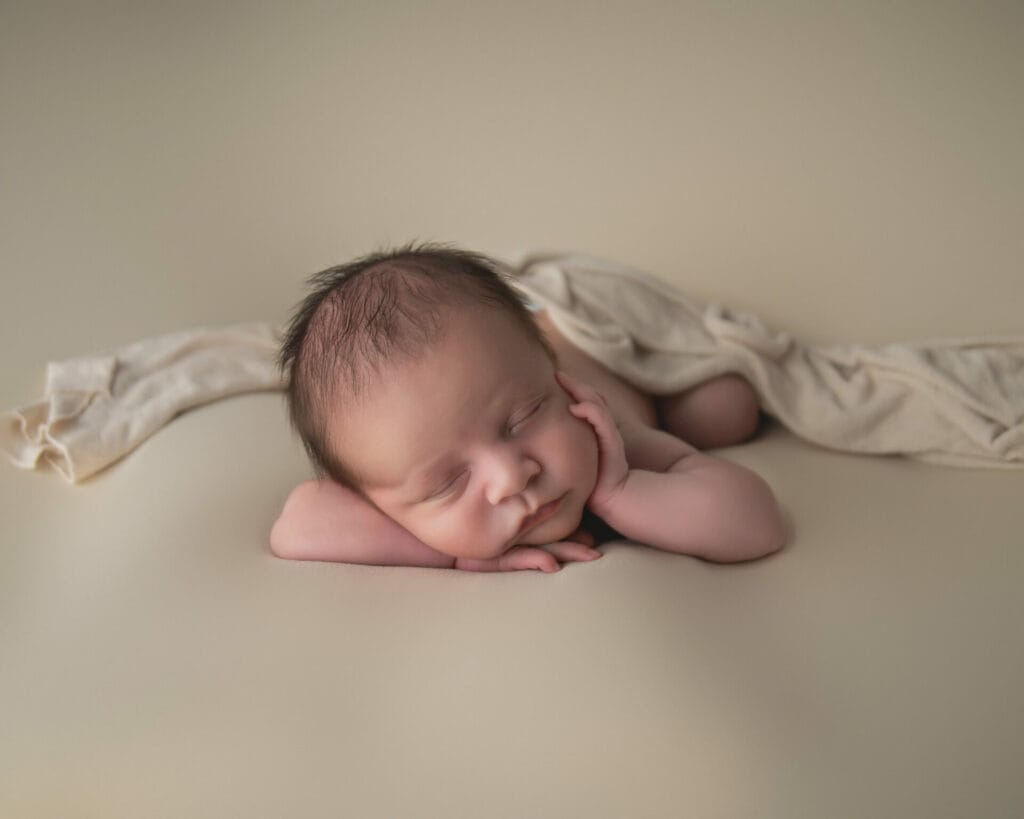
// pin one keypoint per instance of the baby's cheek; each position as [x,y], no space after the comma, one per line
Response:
[441,538]
[583,453]
[456,535]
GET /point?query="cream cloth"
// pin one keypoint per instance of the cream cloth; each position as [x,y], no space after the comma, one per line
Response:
[96,409]
[958,401]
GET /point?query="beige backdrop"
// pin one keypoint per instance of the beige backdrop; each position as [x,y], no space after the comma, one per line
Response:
[853,171]
[848,171]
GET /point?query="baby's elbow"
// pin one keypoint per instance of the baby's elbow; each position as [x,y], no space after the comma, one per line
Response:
[775,538]
[777,531]
[282,542]
[287,538]
[753,549]
[765,532]
[770,537]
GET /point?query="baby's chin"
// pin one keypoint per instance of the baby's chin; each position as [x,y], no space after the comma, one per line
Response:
[558,528]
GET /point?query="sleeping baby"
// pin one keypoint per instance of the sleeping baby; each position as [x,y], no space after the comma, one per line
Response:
[452,426]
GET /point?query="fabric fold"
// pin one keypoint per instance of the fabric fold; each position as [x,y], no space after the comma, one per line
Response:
[949,401]
[96,409]
[957,402]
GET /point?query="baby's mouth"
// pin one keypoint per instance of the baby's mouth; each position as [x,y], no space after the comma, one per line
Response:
[541,515]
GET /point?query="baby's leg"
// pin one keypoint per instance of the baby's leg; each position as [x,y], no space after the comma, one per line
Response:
[719,412]
[323,520]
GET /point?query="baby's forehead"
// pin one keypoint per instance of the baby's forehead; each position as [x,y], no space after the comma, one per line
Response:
[488,341]
[478,360]
[464,330]
[433,405]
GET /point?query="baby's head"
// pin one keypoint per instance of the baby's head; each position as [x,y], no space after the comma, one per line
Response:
[418,378]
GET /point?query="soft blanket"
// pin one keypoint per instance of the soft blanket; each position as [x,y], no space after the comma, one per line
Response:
[96,409]
[958,402]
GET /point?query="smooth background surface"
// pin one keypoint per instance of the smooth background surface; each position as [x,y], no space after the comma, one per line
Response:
[849,172]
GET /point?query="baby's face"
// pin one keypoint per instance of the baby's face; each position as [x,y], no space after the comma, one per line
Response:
[471,446]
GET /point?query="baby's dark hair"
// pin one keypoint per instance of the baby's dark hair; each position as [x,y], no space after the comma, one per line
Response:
[378,309]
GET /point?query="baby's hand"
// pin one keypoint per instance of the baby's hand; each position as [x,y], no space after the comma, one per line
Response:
[612,467]
[577,548]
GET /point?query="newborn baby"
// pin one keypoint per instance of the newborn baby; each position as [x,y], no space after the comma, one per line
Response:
[452,427]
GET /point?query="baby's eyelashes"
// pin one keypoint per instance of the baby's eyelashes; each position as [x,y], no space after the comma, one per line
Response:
[522,419]
[445,489]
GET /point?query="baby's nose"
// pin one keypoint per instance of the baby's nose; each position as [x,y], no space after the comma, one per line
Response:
[512,474]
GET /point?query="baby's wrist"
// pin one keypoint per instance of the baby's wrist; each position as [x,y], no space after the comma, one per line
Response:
[608,504]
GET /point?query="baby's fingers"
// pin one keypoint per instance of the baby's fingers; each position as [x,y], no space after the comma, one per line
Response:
[577,390]
[582,536]
[569,552]
[600,420]
[526,557]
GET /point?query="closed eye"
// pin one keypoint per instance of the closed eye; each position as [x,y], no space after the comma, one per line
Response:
[529,414]
[445,489]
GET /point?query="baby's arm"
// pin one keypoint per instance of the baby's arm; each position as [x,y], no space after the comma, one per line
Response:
[323,520]
[683,500]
